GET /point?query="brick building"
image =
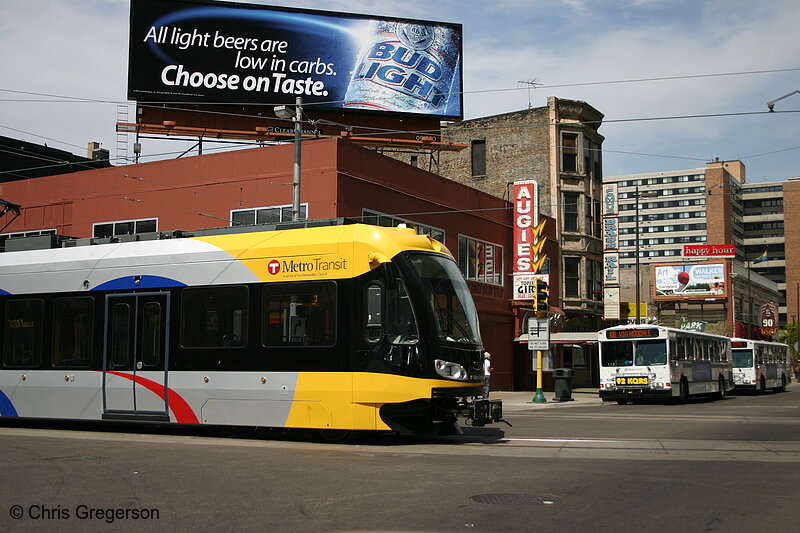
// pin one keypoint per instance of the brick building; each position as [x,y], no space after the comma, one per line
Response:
[339,179]
[559,146]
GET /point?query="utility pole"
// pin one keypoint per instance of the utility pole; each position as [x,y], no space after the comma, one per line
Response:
[285,112]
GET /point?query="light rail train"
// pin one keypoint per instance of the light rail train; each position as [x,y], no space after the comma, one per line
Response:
[333,326]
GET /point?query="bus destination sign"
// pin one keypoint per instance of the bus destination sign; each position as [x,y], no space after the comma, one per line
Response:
[638,333]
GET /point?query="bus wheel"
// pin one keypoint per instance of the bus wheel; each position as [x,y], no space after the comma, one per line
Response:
[782,388]
[622,402]
[721,394]
[684,391]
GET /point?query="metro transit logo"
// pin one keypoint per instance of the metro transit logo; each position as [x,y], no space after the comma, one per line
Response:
[274,267]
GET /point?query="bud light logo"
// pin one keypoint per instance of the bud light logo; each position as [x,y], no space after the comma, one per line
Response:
[274,267]
[406,67]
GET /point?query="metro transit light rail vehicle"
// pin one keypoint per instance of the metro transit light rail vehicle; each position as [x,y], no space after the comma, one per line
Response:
[327,325]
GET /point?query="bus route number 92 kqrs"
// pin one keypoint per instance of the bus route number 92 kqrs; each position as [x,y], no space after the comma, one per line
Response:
[632,381]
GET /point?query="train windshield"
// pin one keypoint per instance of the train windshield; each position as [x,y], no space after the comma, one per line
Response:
[742,358]
[638,353]
[449,296]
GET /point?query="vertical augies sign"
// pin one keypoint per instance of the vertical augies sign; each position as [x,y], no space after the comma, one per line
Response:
[213,52]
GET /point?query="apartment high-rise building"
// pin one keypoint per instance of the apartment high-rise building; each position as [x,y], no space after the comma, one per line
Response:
[713,205]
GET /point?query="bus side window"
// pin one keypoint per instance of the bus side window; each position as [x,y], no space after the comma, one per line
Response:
[374,309]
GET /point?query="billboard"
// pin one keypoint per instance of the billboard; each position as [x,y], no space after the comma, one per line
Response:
[212,52]
[706,280]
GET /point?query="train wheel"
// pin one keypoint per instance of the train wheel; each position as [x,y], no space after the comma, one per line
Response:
[237,432]
[335,435]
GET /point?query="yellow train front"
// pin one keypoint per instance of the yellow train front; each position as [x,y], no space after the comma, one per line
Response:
[331,326]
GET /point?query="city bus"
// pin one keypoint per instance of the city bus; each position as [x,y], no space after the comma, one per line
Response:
[760,365]
[642,362]
[326,325]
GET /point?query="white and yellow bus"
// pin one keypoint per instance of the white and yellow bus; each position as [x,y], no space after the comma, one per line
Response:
[760,365]
[641,362]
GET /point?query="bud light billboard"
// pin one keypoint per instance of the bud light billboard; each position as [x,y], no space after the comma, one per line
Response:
[230,53]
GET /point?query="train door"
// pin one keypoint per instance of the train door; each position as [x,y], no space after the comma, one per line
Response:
[135,359]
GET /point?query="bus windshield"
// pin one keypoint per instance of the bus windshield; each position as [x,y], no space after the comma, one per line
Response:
[453,309]
[742,358]
[647,353]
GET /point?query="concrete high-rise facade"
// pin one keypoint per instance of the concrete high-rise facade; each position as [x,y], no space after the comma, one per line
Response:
[712,205]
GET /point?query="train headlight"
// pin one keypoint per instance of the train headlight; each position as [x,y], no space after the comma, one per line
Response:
[450,370]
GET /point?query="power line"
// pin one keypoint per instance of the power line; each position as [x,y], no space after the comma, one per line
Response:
[481,91]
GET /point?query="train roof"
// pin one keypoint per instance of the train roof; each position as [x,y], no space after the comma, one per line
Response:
[328,249]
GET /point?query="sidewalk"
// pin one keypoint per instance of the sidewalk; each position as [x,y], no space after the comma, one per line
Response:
[519,400]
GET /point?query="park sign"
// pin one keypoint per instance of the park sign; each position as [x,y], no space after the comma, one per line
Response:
[207,52]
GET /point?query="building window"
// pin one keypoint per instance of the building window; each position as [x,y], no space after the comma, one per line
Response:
[569,152]
[389,221]
[414,160]
[124,227]
[266,215]
[571,211]
[31,233]
[478,158]
[480,260]
[572,277]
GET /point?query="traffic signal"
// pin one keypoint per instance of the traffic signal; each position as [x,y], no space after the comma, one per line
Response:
[541,297]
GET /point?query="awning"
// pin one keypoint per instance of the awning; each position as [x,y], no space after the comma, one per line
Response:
[566,337]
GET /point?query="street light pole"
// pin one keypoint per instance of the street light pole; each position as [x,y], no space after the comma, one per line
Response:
[638,289]
[296,177]
[284,112]
[638,295]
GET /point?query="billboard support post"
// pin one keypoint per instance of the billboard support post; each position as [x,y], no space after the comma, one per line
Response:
[296,177]
[284,112]
[638,278]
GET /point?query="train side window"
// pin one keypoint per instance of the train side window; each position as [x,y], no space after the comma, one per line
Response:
[401,323]
[299,314]
[121,342]
[22,333]
[151,334]
[374,309]
[73,325]
[214,317]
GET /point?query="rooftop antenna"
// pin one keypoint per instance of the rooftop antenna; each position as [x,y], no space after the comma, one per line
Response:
[531,83]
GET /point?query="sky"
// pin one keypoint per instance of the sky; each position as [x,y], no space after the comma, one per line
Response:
[710,68]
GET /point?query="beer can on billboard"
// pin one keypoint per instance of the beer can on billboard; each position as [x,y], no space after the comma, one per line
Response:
[407,67]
